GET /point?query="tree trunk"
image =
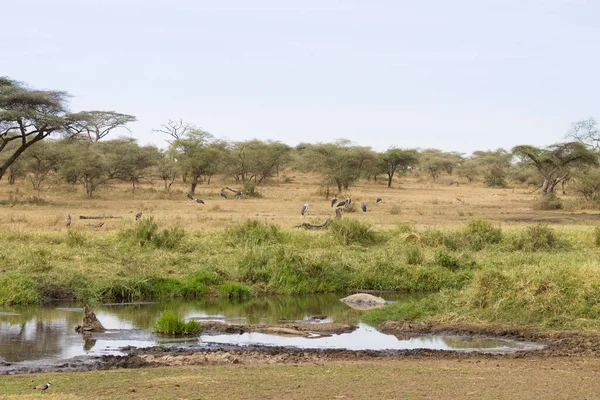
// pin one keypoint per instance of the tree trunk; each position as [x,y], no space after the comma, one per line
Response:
[390,177]
[11,177]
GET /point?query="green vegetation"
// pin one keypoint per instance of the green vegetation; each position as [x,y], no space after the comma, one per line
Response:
[232,290]
[531,275]
[169,324]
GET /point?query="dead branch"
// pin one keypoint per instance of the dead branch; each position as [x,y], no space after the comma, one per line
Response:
[306,225]
[98,217]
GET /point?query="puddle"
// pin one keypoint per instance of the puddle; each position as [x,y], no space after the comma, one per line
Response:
[368,338]
[47,334]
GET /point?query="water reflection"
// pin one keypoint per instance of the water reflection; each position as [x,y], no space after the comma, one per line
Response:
[367,338]
[48,333]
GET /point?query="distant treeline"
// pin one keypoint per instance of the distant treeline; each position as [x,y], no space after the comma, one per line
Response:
[84,156]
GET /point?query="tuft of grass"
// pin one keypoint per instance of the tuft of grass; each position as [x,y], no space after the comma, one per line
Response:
[146,233]
[597,236]
[539,237]
[351,231]
[412,310]
[75,239]
[253,233]
[480,233]
[232,290]
[18,290]
[169,324]
[414,255]
[396,210]
[548,201]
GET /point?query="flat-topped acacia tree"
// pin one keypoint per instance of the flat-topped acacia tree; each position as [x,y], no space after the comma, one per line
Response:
[554,162]
[95,125]
[26,117]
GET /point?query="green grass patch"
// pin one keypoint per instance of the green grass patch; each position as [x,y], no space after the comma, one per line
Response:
[413,310]
[352,231]
[232,290]
[252,233]
[169,324]
[18,290]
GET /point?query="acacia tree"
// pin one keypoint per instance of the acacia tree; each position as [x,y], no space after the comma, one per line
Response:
[398,160]
[128,161]
[493,165]
[42,159]
[586,132]
[340,163]
[167,170]
[554,162]
[95,125]
[28,116]
[84,163]
[174,129]
[435,162]
[254,159]
[199,155]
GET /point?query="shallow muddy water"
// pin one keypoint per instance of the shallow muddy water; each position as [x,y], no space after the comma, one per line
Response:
[47,334]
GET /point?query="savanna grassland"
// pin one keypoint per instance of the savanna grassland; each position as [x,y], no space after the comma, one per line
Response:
[484,254]
[484,257]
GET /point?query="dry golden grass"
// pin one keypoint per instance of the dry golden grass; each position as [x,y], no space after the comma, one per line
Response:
[412,200]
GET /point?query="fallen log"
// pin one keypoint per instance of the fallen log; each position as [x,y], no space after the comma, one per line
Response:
[98,217]
[306,225]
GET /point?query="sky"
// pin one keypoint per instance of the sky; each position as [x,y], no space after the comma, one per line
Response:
[459,75]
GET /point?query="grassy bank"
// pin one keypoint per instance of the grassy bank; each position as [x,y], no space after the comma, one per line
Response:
[532,275]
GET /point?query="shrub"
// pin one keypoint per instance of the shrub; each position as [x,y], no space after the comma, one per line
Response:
[232,290]
[549,201]
[145,233]
[480,233]
[414,255]
[250,190]
[447,260]
[351,231]
[169,324]
[537,237]
[253,233]
[432,237]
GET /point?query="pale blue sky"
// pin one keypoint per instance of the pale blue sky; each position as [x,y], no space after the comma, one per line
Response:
[457,75]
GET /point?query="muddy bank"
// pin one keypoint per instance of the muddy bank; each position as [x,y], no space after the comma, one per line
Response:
[557,343]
